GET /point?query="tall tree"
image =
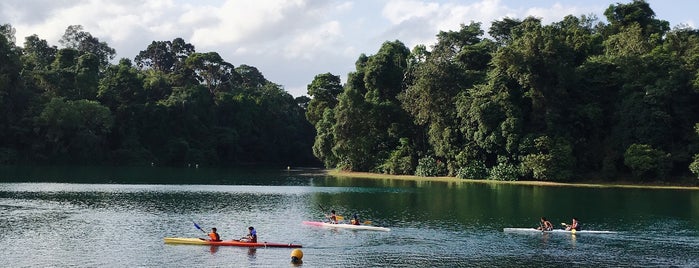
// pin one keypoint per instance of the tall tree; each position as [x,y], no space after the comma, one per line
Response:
[11,88]
[324,89]
[76,38]
[457,62]
[637,12]
[37,53]
[368,117]
[212,71]
[164,56]
[121,89]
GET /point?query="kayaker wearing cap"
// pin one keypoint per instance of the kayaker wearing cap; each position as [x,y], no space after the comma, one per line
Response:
[251,237]
[213,236]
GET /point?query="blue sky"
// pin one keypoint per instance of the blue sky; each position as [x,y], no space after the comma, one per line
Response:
[291,41]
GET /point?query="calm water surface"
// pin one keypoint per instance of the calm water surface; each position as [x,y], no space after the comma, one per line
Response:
[54,217]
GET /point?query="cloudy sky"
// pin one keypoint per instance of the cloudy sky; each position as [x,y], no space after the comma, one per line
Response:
[291,41]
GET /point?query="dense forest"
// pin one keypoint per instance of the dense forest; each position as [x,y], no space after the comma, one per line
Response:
[169,106]
[578,99]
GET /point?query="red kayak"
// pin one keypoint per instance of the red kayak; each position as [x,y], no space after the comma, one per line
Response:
[234,243]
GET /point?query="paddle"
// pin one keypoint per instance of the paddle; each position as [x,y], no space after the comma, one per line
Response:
[197,226]
[200,229]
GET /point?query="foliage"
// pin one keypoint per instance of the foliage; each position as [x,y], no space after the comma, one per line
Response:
[401,161]
[504,172]
[369,121]
[646,162]
[457,62]
[694,166]
[76,38]
[473,170]
[552,102]
[173,107]
[550,160]
[76,128]
[324,89]
[324,140]
[576,98]
[429,167]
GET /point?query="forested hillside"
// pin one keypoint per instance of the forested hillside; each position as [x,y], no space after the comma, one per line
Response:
[171,105]
[577,99]
[581,98]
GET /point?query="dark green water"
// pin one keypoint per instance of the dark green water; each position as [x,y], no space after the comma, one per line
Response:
[54,217]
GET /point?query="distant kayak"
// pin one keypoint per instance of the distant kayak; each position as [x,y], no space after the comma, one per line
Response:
[347,226]
[234,243]
[533,230]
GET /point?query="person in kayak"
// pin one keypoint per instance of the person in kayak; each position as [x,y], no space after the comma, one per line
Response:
[573,226]
[251,237]
[354,220]
[545,225]
[213,236]
[332,217]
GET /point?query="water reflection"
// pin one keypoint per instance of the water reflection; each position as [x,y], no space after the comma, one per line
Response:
[544,239]
[251,253]
[433,223]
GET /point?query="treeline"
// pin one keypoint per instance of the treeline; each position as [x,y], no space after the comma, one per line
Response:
[171,105]
[576,99]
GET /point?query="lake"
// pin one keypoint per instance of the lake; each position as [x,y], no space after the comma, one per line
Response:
[118,217]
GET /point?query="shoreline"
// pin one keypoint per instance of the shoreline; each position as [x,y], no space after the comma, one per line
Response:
[592,184]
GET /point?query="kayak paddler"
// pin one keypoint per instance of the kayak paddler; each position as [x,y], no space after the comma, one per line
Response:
[332,217]
[213,236]
[251,237]
[545,225]
[573,226]
[355,219]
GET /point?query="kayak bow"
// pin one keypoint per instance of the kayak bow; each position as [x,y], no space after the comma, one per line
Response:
[234,243]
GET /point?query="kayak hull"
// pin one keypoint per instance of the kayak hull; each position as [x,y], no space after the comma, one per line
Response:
[232,243]
[347,226]
[533,230]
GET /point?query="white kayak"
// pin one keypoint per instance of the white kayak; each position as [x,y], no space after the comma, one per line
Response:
[534,230]
[347,226]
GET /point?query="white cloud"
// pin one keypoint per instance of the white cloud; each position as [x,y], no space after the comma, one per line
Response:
[418,22]
[307,45]
[289,41]
[556,12]
[344,6]
[398,11]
